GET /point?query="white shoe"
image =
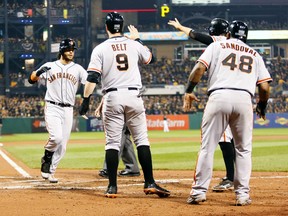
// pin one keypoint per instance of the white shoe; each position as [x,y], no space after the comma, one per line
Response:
[45,175]
[52,179]
[243,201]
[196,199]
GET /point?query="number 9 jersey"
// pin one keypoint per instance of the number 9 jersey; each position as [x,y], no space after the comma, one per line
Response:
[119,70]
[229,64]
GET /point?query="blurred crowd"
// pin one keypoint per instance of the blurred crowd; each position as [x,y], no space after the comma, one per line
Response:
[164,72]
[259,24]
[36,9]
[202,27]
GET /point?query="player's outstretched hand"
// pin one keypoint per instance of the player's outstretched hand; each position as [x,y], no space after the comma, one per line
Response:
[42,70]
[175,23]
[188,99]
[84,106]
[261,109]
[134,34]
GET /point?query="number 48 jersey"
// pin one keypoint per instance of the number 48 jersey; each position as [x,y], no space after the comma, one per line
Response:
[116,59]
[232,64]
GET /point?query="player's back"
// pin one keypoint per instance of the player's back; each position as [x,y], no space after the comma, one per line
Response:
[233,64]
[120,57]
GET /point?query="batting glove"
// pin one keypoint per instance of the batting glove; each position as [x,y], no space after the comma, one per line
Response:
[84,106]
[261,109]
[42,70]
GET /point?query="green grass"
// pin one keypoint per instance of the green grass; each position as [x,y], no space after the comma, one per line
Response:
[167,154]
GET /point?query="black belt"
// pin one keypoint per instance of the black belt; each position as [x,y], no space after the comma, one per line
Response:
[59,104]
[115,89]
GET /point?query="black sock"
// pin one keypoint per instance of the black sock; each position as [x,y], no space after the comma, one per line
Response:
[48,156]
[228,152]
[145,160]
[112,160]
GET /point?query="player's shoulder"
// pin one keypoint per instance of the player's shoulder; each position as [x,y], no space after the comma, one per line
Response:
[218,38]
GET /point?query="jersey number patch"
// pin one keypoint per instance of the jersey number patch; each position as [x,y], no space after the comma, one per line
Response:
[122,61]
[245,62]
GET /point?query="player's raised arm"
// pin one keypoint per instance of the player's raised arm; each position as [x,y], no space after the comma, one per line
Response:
[217,27]
[176,24]
[134,34]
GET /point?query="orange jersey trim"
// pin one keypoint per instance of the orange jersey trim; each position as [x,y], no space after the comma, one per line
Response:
[94,69]
[203,62]
[147,62]
[264,80]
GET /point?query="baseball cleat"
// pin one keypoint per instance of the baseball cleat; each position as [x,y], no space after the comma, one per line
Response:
[243,201]
[155,189]
[125,173]
[45,175]
[111,192]
[103,173]
[196,199]
[224,185]
[52,179]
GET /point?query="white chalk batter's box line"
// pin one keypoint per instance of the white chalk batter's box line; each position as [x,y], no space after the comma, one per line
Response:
[45,185]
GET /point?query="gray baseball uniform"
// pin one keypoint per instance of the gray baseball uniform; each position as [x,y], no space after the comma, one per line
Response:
[116,60]
[62,82]
[121,72]
[234,69]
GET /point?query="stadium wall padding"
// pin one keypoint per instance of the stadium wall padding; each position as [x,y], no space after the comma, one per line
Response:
[154,122]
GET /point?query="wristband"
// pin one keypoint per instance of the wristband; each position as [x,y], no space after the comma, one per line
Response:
[190,87]
[139,40]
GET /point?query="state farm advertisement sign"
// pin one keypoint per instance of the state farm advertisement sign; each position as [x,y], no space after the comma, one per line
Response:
[175,122]
[38,125]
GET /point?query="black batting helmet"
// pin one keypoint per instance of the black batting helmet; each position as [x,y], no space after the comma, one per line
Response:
[218,27]
[65,44]
[239,29]
[114,22]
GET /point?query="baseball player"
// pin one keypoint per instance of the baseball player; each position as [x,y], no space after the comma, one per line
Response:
[63,78]
[115,63]
[218,31]
[234,69]
[126,152]
[165,124]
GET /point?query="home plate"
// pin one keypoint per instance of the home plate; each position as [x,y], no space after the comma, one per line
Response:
[1,144]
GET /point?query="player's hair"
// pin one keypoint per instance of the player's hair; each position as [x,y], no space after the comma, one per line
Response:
[114,22]
[218,27]
[239,29]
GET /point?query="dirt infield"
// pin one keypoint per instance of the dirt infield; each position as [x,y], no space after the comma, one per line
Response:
[80,192]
